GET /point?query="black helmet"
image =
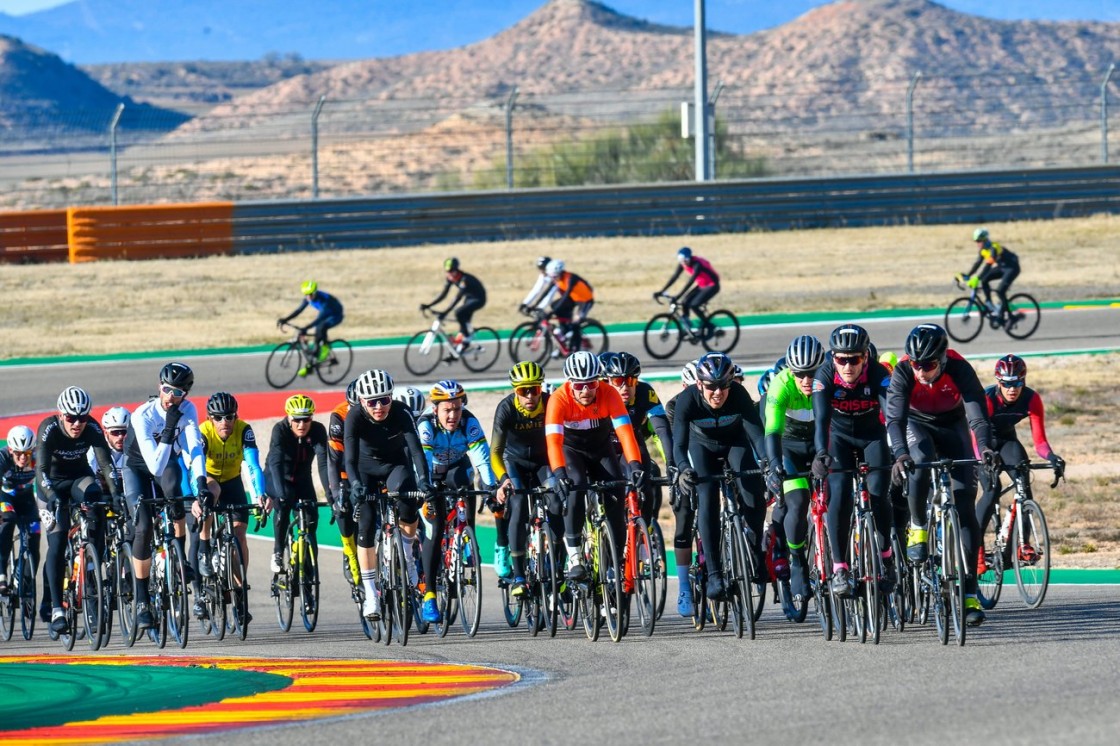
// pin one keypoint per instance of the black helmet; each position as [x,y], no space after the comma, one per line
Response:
[805,353]
[451,265]
[221,403]
[542,262]
[849,338]
[352,393]
[621,364]
[715,367]
[178,375]
[927,342]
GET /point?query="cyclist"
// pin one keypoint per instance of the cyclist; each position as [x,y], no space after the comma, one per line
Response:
[330,314]
[1010,401]
[574,298]
[702,285]
[471,293]
[934,399]
[382,451]
[228,442]
[579,419]
[688,378]
[114,424]
[717,421]
[848,395]
[519,457]
[64,481]
[340,484]
[412,398]
[17,498]
[788,424]
[995,263]
[540,297]
[295,441]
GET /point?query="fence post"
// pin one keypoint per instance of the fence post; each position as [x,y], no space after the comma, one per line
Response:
[113,152]
[509,137]
[910,121]
[712,129]
[315,148]
[700,94]
[1104,113]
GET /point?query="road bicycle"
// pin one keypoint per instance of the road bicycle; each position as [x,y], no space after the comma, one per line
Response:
[598,599]
[639,582]
[965,316]
[82,590]
[427,348]
[225,592]
[458,581]
[394,584]
[540,604]
[903,604]
[21,596]
[828,606]
[542,338]
[657,540]
[287,359]
[667,331]
[167,580]
[868,606]
[299,570]
[1018,539]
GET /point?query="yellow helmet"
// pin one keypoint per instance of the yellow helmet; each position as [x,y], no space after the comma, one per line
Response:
[308,287]
[526,373]
[447,390]
[299,406]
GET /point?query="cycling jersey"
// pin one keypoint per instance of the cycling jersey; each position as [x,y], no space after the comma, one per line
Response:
[64,459]
[587,428]
[14,480]
[225,457]
[469,287]
[789,411]
[143,449]
[854,408]
[540,296]
[517,436]
[336,430]
[736,422]
[443,449]
[1006,415]
[994,255]
[572,287]
[327,306]
[374,447]
[117,465]
[649,418]
[289,459]
[700,273]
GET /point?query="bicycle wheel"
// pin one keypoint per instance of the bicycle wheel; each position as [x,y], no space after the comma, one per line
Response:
[402,591]
[589,600]
[990,582]
[445,597]
[511,607]
[735,574]
[9,602]
[71,598]
[236,571]
[956,571]
[282,589]
[660,573]
[530,341]
[308,569]
[214,599]
[283,365]
[724,334]
[836,606]
[178,609]
[469,587]
[662,336]
[817,552]
[594,336]
[1032,568]
[92,591]
[963,319]
[423,352]
[608,581]
[871,571]
[899,599]
[1023,316]
[338,363]
[483,350]
[645,592]
[934,566]
[548,582]
[126,595]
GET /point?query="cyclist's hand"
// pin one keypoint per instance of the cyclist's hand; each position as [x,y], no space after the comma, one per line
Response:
[279,323]
[687,479]
[171,425]
[46,517]
[657,296]
[638,476]
[358,493]
[424,307]
[561,485]
[523,309]
[1059,465]
[442,315]
[991,458]
[774,479]
[973,282]
[821,463]
[504,490]
[426,489]
[85,507]
[196,508]
[903,465]
[205,496]
[266,503]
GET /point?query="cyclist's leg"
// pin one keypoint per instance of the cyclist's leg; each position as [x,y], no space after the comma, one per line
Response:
[840,499]
[563,314]
[609,468]
[402,479]
[305,487]
[796,457]
[230,493]
[684,518]
[56,543]
[876,455]
[708,463]
[1006,277]
[920,444]
[752,499]
[575,513]
[955,442]
[542,477]
[990,487]
[464,313]
[281,523]
[699,297]
[7,531]
[139,484]
[516,522]
[366,527]
[87,490]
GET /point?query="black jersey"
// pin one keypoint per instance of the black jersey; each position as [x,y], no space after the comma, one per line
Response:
[61,457]
[289,457]
[856,409]
[735,423]
[518,435]
[372,446]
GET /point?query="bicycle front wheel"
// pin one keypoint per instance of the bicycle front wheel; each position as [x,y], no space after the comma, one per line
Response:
[954,572]
[71,598]
[236,572]
[1023,316]
[423,352]
[92,592]
[469,587]
[990,581]
[737,576]
[964,320]
[660,577]
[8,604]
[818,555]
[1030,552]
[402,592]
[338,363]
[529,341]
[178,605]
[608,581]
[645,591]
[483,350]
[282,590]
[594,336]
[723,332]
[308,586]
[662,336]
[283,365]
[870,570]
[126,595]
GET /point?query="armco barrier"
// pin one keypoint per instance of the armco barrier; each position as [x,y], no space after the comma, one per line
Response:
[149,232]
[33,236]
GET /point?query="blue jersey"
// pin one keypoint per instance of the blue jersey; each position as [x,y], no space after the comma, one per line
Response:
[443,448]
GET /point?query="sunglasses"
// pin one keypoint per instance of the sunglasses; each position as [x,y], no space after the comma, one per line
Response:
[300,420]
[585,385]
[172,391]
[853,360]
[224,417]
[1012,384]
[711,386]
[925,365]
[380,401]
[804,373]
[117,433]
[528,390]
[73,418]
[623,380]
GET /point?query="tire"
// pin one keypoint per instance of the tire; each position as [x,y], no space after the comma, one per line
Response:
[214,598]
[469,587]
[483,351]
[734,574]
[28,608]
[990,582]
[662,336]
[236,570]
[337,365]
[1021,327]
[511,607]
[178,601]
[1033,578]
[528,341]
[660,574]
[126,595]
[645,593]
[955,570]
[70,599]
[9,602]
[445,598]
[589,600]
[282,590]
[93,592]
[821,605]
[548,582]
[836,605]
[594,336]
[964,320]
[608,581]
[402,592]
[283,365]
[899,600]
[726,334]
[308,568]
[939,597]
[424,352]
[872,571]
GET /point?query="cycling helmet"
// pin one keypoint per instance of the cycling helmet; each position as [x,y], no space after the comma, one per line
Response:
[764,381]
[1011,369]
[582,366]
[737,372]
[542,261]
[21,439]
[178,375]
[221,403]
[927,342]
[804,353]
[74,402]
[688,373]
[526,373]
[715,367]
[309,287]
[849,338]
[980,234]
[684,255]
[451,265]
[114,418]
[621,364]
[374,384]
[447,390]
[554,268]
[299,406]
[352,393]
[411,397]
[889,360]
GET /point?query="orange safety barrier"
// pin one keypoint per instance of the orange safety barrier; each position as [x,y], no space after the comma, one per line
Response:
[33,236]
[149,231]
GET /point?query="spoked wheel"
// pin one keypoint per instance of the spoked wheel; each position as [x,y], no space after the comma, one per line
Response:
[282,590]
[445,600]
[608,580]
[589,599]
[735,575]
[990,581]
[308,569]
[178,602]
[645,594]
[283,365]
[338,363]
[236,579]
[839,611]
[126,595]
[659,561]
[594,336]
[567,605]
[662,336]
[938,593]
[92,594]
[529,341]
[954,573]
[158,595]
[723,332]
[423,352]
[1030,553]
[469,587]
[483,350]
[1023,316]
[214,599]
[71,597]
[402,593]
[964,320]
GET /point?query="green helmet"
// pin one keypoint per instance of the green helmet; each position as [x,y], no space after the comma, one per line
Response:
[980,234]
[309,287]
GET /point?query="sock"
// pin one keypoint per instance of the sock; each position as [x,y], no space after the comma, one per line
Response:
[518,559]
[682,577]
[142,595]
[836,566]
[410,553]
[368,578]
[573,555]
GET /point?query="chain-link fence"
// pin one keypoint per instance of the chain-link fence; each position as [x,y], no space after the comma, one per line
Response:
[335,148]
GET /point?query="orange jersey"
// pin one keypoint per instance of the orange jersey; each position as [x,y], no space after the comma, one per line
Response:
[581,291]
[334,435]
[587,428]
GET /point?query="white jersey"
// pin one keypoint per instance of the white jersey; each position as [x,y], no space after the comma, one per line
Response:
[118,462]
[543,287]
[143,446]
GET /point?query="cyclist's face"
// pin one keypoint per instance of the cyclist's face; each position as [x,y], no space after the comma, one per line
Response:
[115,438]
[584,392]
[849,366]
[927,377]
[1010,393]
[168,399]
[72,426]
[804,381]
[224,426]
[301,426]
[378,409]
[714,394]
[449,413]
[624,386]
[22,459]
[528,396]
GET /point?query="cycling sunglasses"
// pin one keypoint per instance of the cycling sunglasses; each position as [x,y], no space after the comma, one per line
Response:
[73,418]
[623,380]
[528,390]
[117,433]
[714,386]
[300,420]
[925,365]
[172,391]
[853,360]
[585,385]
[224,417]
[380,401]
[804,373]
[1013,384]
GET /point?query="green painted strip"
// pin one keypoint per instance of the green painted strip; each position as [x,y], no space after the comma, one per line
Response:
[43,694]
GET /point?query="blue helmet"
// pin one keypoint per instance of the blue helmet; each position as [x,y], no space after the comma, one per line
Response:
[684,255]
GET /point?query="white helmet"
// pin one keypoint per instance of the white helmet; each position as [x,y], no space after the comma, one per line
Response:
[21,438]
[74,402]
[688,373]
[582,366]
[114,419]
[374,384]
[554,268]
[411,397]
